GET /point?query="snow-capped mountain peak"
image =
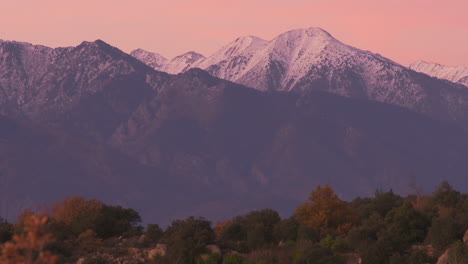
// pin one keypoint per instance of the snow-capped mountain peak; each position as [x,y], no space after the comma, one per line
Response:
[290,54]
[152,59]
[182,62]
[175,65]
[311,59]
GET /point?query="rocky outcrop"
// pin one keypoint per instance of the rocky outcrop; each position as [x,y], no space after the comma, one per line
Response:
[446,256]
[353,258]
[159,250]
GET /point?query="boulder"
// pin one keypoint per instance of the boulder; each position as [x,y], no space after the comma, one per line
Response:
[141,239]
[160,250]
[443,259]
[214,249]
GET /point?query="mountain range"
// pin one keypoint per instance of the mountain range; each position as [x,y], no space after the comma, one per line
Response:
[258,124]
[305,60]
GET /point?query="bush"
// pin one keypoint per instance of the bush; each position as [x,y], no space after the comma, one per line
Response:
[233,259]
[6,231]
[252,231]
[99,259]
[187,239]
[153,233]
[115,221]
[314,253]
[286,230]
[442,232]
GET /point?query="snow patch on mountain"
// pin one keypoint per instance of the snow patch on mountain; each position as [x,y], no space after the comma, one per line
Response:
[182,62]
[463,81]
[37,79]
[451,73]
[152,59]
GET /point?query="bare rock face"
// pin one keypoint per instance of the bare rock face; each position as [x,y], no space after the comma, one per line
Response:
[353,258]
[444,258]
[214,249]
[160,250]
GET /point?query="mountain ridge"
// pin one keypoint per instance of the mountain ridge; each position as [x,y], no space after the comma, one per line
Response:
[451,73]
[311,59]
[195,144]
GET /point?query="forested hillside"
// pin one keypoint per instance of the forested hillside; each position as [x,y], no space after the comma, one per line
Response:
[385,228]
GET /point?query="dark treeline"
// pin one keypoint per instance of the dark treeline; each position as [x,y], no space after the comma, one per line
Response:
[385,228]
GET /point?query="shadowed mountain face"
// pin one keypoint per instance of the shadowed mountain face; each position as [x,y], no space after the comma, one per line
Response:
[172,146]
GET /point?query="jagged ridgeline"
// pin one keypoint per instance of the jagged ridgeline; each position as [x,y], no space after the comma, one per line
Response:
[297,111]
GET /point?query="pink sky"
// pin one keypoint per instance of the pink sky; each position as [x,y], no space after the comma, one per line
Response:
[402,30]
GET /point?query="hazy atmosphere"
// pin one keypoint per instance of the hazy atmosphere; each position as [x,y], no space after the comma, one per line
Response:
[402,30]
[233,132]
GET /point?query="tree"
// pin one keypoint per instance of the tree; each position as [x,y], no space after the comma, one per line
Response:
[287,230]
[366,234]
[220,227]
[410,225]
[113,221]
[76,215]
[153,233]
[259,226]
[30,246]
[325,212]
[384,202]
[251,231]
[442,232]
[187,239]
[446,196]
[6,231]
[402,227]
[68,210]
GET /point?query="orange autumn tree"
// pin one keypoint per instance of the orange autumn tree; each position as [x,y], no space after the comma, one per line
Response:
[29,247]
[220,227]
[70,209]
[325,212]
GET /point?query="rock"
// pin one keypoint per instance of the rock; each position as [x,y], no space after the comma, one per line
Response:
[160,250]
[353,258]
[465,238]
[141,239]
[80,261]
[214,249]
[443,259]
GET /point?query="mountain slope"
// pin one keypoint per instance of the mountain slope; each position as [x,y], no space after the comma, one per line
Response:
[100,123]
[463,81]
[311,59]
[182,62]
[246,142]
[154,60]
[55,85]
[175,65]
[450,73]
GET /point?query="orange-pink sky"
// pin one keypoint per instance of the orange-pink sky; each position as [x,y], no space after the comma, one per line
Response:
[403,30]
